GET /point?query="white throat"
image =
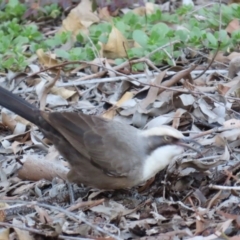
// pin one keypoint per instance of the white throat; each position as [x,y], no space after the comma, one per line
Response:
[159,159]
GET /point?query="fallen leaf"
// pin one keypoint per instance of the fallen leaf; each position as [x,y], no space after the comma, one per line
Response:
[109,114]
[48,60]
[116,46]
[22,234]
[79,19]
[233,26]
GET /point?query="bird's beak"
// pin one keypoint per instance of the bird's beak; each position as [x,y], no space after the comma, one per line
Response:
[184,142]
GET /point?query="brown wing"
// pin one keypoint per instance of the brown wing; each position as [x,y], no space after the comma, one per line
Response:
[99,141]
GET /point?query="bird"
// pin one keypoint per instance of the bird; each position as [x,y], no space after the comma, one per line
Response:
[104,154]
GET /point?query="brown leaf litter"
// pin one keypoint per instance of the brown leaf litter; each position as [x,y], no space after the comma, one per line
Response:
[196,197]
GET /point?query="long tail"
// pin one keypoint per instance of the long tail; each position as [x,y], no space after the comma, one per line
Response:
[19,106]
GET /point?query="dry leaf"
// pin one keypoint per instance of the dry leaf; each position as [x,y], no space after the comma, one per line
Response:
[161,120]
[22,234]
[79,19]
[48,60]
[4,233]
[116,46]
[63,92]
[233,26]
[43,215]
[8,119]
[187,99]
[152,93]
[177,117]
[109,114]
[234,67]
[235,123]
[36,169]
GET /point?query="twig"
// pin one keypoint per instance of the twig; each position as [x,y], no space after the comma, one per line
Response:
[162,47]
[214,130]
[114,79]
[211,62]
[219,187]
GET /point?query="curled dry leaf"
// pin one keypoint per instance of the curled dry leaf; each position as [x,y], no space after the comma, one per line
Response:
[110,113]
[36,169]
[152,93]
[121,88]
[16,147]
[42,90]
[116,46]
[43,215]
[48,60]
[161,120]
[63,92]
[79,19]
[207,110]
[177,117]
[226,155]
[8,119]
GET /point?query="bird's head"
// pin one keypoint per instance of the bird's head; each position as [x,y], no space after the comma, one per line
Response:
[162,145]
[166,136]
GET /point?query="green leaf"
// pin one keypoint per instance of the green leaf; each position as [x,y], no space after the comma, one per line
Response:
[80,38]
[184,9]
[13,3]
[212,40]
[223,38]
[160,30]
[103,39]
[183,35]
[138,67]
[236,37]
[135,52]
[20,40]
[140,37]
[122,27]
[53,42]
[119,61]
[76,54]
[62,53]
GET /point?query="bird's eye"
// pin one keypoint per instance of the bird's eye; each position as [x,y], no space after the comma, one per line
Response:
[167,138]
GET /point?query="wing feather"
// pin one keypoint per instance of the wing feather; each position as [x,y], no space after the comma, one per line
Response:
[105,144]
